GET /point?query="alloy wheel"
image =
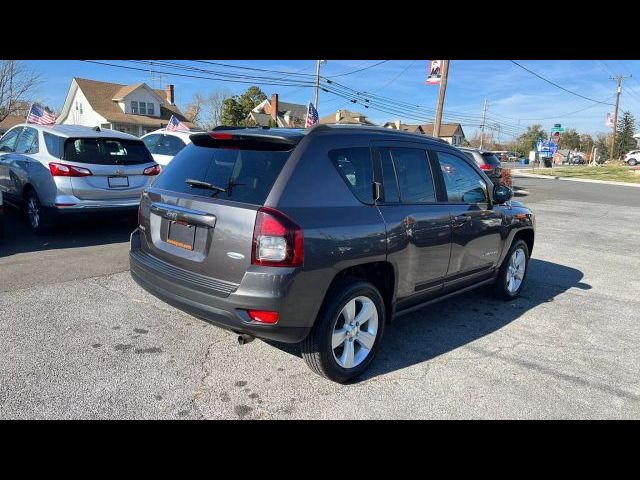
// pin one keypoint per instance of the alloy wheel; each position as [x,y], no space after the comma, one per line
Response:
[33,212]
[515,270]
[355,332]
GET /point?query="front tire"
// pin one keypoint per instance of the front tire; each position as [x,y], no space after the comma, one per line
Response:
[513,272]
[347,332]
[633,162]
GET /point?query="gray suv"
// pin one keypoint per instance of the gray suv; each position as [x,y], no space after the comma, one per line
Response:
[65,169]
[488,162]
[323,236]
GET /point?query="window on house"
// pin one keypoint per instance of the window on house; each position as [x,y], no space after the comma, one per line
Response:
[143,108]
[150,109]
[80,105]
[134,107]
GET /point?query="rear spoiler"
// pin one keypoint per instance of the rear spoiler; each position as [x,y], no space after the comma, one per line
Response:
[247,139]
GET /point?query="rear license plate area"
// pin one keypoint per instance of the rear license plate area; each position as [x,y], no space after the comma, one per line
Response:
[118,182]
[181,234]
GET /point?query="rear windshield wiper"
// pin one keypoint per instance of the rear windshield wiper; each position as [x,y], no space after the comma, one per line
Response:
[200,184]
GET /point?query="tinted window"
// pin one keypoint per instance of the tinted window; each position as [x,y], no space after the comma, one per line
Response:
[414,175]
[463,183]
[54,144]
[355,167]
[248,175]
[28,141]
[106,151]
[8,142]
[389,181]
[151,142]
[490,159]
[169,145]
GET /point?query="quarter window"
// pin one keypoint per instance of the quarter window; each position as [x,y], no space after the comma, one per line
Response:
[356,169]
[463,183]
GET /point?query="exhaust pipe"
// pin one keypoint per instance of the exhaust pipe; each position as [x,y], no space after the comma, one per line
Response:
[243,339]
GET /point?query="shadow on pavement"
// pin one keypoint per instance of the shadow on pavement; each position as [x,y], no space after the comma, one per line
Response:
[445,326]
[80,232]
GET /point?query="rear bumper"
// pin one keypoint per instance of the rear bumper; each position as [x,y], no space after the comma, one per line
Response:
[219,306]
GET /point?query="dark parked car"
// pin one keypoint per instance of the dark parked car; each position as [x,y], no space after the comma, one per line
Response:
[323,236]
[487,161]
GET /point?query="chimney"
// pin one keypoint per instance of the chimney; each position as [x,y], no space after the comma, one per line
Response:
[170,96]
[274,106]
[338,115]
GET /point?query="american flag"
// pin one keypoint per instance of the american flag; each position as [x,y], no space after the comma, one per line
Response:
[175,124]
[312,116]
[40,116]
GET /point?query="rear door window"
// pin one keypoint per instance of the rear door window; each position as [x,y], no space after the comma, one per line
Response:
[151,141]
[28,141]
[246,175]
[8,142]
[169,145]
[414,175]
[106,151]
[389,181]
[355,167]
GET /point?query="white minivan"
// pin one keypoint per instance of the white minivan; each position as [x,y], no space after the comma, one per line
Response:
[165,144]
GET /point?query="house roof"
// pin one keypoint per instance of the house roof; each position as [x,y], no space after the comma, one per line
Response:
[100,96]
[446,129]
[346,117]
[11,121]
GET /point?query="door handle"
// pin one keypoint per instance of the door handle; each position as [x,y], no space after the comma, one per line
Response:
[460,220]
[173,212]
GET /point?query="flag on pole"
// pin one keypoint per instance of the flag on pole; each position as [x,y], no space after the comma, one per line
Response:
[175,124]
[40,116]
[312,116]
[435,72]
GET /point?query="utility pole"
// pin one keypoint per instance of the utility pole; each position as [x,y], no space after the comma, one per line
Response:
[484,118]
[619,79]
[441,94]
[319,62]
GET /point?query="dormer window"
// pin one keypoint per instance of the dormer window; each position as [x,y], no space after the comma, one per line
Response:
[134,107]
[150,109]
[143,108]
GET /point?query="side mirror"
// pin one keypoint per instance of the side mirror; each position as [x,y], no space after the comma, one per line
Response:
[502,194]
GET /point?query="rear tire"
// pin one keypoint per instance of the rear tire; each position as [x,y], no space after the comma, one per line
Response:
[513,272]
[347,331]
[38,220]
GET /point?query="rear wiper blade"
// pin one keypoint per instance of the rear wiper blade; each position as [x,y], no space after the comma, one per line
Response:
[200,184]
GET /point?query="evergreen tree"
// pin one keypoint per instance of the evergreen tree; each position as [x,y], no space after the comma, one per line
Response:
[624,136]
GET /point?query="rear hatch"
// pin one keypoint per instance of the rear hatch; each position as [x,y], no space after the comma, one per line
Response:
[117,167]
[492,165]
[199,215]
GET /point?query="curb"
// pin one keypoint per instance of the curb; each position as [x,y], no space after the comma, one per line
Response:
[520,173]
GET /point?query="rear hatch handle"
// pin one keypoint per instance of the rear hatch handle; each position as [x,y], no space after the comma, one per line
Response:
[173,212]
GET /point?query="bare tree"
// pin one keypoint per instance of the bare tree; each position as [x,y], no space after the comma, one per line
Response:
[17,84]
[206,111]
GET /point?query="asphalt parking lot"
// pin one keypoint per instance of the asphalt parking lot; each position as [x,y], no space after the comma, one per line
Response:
[79,339]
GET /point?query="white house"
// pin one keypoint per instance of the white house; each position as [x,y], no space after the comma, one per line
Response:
[136,109]
[451,132]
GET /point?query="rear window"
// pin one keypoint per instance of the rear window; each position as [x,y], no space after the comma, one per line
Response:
[106,151]
[490,159]
[247,175]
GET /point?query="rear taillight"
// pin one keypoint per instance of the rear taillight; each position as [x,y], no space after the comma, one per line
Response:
[484,166]
[263,316]
[61,170]
[155,170]
[277,240]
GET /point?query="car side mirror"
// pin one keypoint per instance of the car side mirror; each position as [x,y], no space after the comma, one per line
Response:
[502,194]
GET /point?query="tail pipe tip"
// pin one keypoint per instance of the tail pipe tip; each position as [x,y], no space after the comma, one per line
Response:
[243,339]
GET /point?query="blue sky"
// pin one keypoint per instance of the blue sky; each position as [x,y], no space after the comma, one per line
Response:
[516,98]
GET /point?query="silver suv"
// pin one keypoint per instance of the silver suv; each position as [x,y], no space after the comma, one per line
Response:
[61,169]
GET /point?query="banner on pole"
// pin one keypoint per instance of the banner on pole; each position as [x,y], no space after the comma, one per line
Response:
[435,72]
[609,122]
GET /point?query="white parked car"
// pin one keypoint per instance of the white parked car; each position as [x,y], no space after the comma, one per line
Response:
[164,145]
[632,158]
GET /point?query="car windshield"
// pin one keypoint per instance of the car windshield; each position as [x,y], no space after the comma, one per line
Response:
[106,151]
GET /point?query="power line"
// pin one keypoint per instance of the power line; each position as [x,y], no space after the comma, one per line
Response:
[556,85]
[359,70]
